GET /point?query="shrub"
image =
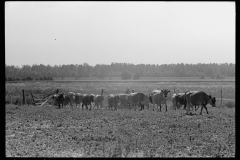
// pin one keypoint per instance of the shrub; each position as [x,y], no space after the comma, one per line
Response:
[230,104]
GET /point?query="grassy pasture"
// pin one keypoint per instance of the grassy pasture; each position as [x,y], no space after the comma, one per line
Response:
[230,79]
[49,132]
[213,88]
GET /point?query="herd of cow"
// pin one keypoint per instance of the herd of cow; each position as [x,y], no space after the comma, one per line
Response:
[137,99]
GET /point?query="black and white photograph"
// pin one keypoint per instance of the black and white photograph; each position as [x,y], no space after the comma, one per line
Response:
[129,79]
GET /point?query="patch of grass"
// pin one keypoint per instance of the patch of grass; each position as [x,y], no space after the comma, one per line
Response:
[51,132]
[230,104]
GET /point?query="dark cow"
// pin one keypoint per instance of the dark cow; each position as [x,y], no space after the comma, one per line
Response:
[113,100]
[182,99]
[59,99]
[87,99]
[199,98]
[138,98]
[124,101]
[71,95]
[78,98]
[178,99]
[159,97]
[98,101]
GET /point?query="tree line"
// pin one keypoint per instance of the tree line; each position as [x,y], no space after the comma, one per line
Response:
[47,72]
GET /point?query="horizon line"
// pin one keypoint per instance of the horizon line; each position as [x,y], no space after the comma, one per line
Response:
[115,63]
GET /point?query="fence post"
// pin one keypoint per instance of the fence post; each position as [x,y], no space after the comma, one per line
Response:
[221,94]
[23,98]
[32,98]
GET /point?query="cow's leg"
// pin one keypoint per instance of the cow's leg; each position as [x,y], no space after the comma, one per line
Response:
[201,110]
[205,108]
[187,108]
[90,106]
[166,107]
[153,106]
[160,107]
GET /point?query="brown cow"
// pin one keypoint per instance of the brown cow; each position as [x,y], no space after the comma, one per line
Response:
[199,98]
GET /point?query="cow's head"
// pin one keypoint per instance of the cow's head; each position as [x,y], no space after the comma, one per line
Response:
[212,100]
[92,97]
[117,98]
[71,95]
[165,92]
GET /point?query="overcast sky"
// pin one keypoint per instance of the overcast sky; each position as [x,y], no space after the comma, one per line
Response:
[58,33]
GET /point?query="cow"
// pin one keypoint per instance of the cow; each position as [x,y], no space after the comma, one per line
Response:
[66,100]
[199,98]
[113,100]
[138,98]
[87,99]
[78,98]
[183,96]
[145,102]
[159,97]
[72,97]
[124,101]
[59,99]
[98,101]
[178,99]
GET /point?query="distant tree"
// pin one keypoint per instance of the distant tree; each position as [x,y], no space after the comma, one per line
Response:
[126,75]
[136,76]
